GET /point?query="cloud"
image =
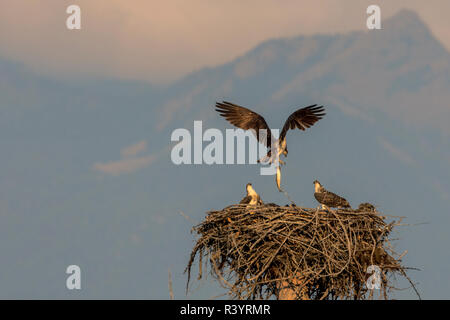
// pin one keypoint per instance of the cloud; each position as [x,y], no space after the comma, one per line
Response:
[160,41]
[134,149]
[129,161]
[128,165]
[397,153]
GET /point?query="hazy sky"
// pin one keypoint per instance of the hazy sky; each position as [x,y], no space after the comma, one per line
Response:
[161,41]
[85,171]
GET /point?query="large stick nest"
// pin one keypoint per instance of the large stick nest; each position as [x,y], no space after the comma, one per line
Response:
[297,253]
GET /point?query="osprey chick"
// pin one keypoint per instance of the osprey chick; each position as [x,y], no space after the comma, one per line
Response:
[328,199]
[366,207]
[252,197]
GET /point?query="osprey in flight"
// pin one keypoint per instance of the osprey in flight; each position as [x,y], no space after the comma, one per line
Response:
[328,199]
[252,197]
[246,119]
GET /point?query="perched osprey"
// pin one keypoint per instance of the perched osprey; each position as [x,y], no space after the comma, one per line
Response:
[366,207]
[246,119]
[252,197]
[328,199]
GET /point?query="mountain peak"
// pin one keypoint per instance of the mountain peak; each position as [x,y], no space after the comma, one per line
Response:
[406,20]
[407,14]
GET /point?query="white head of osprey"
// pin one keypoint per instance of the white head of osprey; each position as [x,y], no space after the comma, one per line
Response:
[191,149]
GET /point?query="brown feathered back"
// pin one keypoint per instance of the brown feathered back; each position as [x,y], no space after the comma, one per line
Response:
[331,199]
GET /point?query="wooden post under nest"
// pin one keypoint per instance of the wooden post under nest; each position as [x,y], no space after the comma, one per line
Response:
[296,291]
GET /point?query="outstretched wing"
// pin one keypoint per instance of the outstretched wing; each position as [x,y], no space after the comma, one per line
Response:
[302,119]
[244,118]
